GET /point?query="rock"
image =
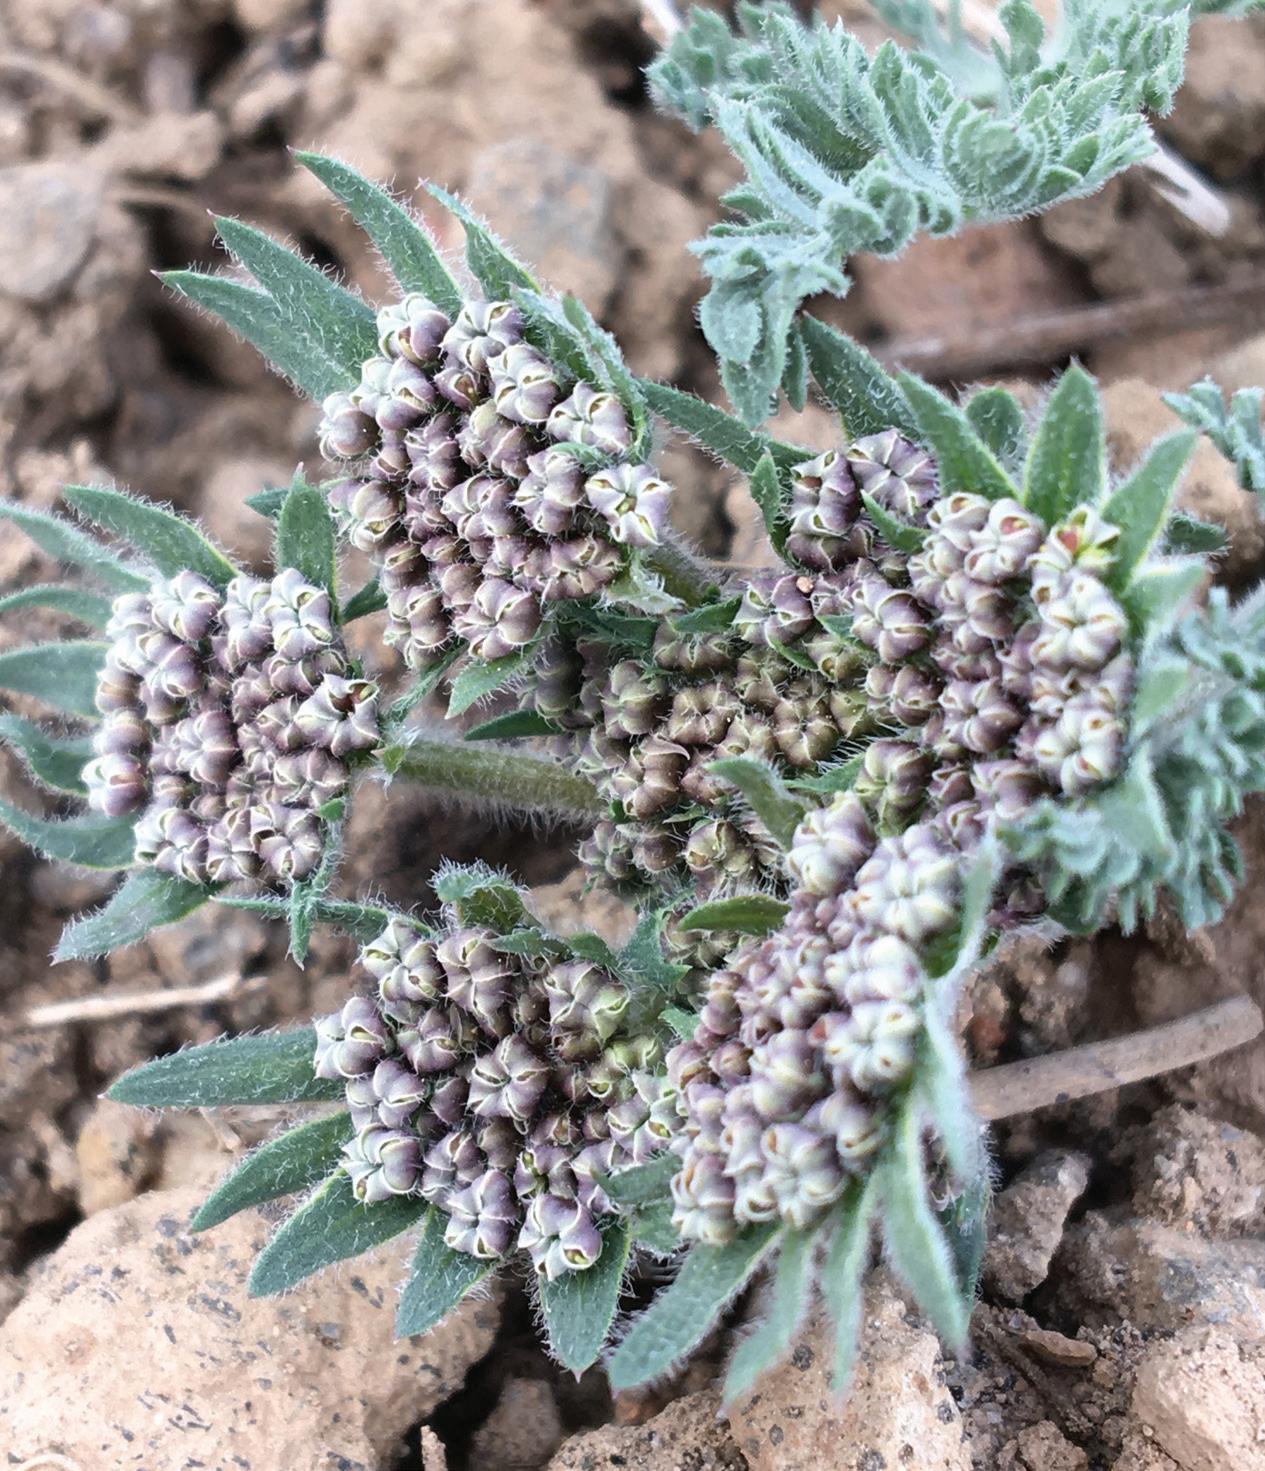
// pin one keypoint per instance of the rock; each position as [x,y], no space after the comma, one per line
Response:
[147,1332]
[259,16]
[1219,120]
[1042,1447]
[522,1431]
[687,1436]
[897,1414]
[1057,1349]
[1202,1398]
[48,221]
[10,1293]
[1195,1171]
[117,1153]
[1027,1223]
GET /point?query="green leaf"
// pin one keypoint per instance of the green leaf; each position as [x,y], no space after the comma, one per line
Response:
[403,240]
[322,316]
[724,436]
[914,1236]
[852,381]
[843,1273]
[964,460]
[370,599]
[896,533]
[57,761]
[653,1228]
[494,268]
[266,1067]
[512,726]
[642,1184]
[360,921]
[841,778]
[714,618]
[439,1278]
[425,684]
[1140,506]
[169,542]
[482,896]
[749,914]
[997,417]
[1161,592]
[268,502]
[305,535]
[478,679]
[1067,463]
[90,841]
[766,490]
[299,1159]
[89,608]
[642,960]
[683,1314]
[579,1307]
[74,547]
[611,369]
[770,798]
[683,1023]
[1185,533]
[256,317]
[795,373]
[329,1228]
[942,1078]
[144,901]
[62,675]
[774,1336]
[965,1223]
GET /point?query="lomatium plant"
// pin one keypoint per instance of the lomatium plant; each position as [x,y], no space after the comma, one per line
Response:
[980,690]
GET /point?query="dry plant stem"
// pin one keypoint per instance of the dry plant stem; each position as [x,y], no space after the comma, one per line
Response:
[487,773]
[141,1003]
[1046,336]
[1038,1082]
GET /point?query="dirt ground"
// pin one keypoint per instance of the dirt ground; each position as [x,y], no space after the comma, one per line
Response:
[1122,1319]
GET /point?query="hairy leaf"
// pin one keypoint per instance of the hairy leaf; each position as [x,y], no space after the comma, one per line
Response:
[90,841]
[361,921]
[896,533]
[774,1335]
[478,679]
[296,1161]
[370,599]
[965,462]
[997,417]
[720,433]
[770,798]
[749,914]
[843,1273]
[1140,506]
[1067,464]
[579,1307]
[481,896]
[56,761]
[264,1067]
[642,1184]
[438,1279]
[74,547]
[171,543]
[492,264]
[852,381]
[62,676]
[86,607]
[769,495]
[305,535]
[145,900]
[653,1229]
[513,725]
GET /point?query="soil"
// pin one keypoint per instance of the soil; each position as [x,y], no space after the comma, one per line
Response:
[1122,1320]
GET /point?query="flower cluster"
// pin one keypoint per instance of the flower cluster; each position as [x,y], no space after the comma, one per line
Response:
[497,1086]
[476,494]
[229,719]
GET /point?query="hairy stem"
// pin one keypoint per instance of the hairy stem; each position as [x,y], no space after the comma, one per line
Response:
[493,774]
[683,576]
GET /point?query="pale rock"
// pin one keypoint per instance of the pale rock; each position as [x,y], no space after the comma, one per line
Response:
[1219,120]
[523,1430]
[1042,1447]
[1202,1397]
[1027,1221]
[259,16]
[116,1153]
[48,222]
[1190,1169]
[137,1346]
[686,1436]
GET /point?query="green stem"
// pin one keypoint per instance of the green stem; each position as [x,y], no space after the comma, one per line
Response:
[490,774]
[683,576]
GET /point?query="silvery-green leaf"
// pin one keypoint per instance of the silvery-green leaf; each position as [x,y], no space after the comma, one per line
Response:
[144,901]
[72,546]
[652,1228]
[56,761]
[329,1227]
[1067,463]
[493,266]
[770,798]
[643,961]
[481,896]
[1186,533]
[773,1336]
[1161,592]
[895,532]
[305,535]
[89,841]
[479,679]
[296,1161]
[579,1308]
[512,726]
[998,418]
[642,1184]
[62,676]
[360,921]
[965,1222]
[170,542]
[963,459]
[769,495]
[404,242]
[714,618]
[370,599]
[89,608]
[1140,506]
[719,433]
[749,914]
[438,1279]
[843,1273]
[263,1067]
[867,397]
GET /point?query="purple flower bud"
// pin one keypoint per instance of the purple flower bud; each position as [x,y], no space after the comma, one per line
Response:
[116,784]
[508,1082]
[559,1236]
[501,619]
[633,501]
[852,1122]
[299,615]
[247,628]
[703,1200]
[824,506]
[900,475]
[481,333]
[551,492]
[524,385]
[413,328]
[408,396]
[230,851]
[346,432]
[185,606]
[888,620]
[288,839]
[1000,549]
[382,1162]
[1082,625]
[591,417]
[908,887]
[1082,749]
[399,1092]
[433,454]
[461,386]
[370,511]
[451,1164]
[351,1041]
[829,845]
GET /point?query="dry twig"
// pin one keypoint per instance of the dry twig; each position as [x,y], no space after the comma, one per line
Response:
[142,1003]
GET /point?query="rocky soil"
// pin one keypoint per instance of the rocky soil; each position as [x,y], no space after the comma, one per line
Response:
[1122,1320]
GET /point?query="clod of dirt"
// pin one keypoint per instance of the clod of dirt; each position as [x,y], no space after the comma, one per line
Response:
[1196,1171]
[687,1436]
[1219,120]
[1042,1447]
[117,1152]
[48,221]
[898,1412]
[148,1333]
[1202,1397]
[1027,1223]
[522,1431]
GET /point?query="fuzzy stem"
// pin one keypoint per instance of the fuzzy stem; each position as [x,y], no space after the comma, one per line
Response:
[493,774]
[683,576]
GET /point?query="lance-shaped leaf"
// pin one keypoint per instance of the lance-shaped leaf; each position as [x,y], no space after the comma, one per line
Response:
[1067,463]
[323,316]
[305,535]
[998,418]
[439,1278]
[478,679]
[965,1222]
[91,841]
[144,901]
[404,242]
[265,1067]
[89,608]
[1160,592]
[256,317]
[62,676]
[683,1314]
[579,1308]
[56,761]
[642,961]
[964,461]
[610,369]
[296,1161]
[895,532]
[915,1239]
[714,618]
[71,545]
[369,599]
[546,327]
[170,542]
[512,726]
[1185,533]
[748,914]
[843,1273]
[330,1227]
[482,896]
[493,266]
[360,921]
[942,1078]
[767,492]
[773,1336]
[852,381]
[1140,506]
[268,502]
[773,802]
[653,1228]
[642,1184]
[720,433]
